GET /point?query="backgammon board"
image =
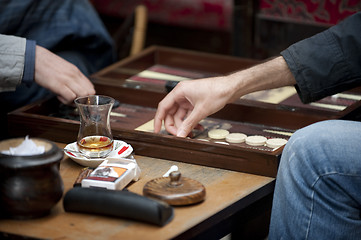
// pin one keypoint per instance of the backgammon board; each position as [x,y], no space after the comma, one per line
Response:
[138,84]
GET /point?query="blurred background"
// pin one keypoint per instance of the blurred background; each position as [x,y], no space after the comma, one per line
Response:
[247,28]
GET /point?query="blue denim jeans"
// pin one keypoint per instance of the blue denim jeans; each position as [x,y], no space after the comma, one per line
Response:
[318,186]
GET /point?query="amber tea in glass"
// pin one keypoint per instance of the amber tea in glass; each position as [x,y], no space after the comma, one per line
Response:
[95,139]
[92,145]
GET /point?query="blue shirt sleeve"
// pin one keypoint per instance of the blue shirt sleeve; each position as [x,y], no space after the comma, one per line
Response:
[29,66]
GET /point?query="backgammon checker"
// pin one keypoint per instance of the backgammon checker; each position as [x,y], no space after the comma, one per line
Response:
[175,190]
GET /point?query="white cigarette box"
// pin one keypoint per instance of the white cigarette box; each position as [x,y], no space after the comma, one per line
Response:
[112,174]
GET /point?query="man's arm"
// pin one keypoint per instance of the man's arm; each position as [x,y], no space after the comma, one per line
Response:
[12,55]
[319,66]
[192,101]
[45,68]
[329,62]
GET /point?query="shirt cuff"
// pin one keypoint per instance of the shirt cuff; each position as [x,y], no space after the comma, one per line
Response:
[29,63]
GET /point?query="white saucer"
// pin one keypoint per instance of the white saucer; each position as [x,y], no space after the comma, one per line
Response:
[120,150]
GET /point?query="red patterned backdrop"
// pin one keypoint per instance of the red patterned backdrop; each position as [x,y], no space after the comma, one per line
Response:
[324,12]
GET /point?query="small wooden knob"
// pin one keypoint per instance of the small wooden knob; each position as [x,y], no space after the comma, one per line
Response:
[175,189]
[175,179]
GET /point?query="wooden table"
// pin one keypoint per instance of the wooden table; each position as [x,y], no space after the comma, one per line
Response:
[234,200]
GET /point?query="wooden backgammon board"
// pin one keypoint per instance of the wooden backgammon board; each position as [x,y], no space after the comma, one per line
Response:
[139,82]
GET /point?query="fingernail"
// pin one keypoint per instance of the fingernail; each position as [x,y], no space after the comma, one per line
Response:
[181,133]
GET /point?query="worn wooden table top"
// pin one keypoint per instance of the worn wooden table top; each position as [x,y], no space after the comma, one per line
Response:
[224,188]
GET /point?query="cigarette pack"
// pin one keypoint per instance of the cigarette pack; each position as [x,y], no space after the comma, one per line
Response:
[112,174]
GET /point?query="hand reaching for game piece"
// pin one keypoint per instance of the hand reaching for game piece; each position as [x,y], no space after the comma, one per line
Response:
[188,103]
[60,76]
[191,101]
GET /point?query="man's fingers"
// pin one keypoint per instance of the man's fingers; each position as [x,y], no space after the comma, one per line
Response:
[165,107]
[179,117]
[65,94]
[63,100]
[195,116]
[80,84]
[169,125]
[60,76]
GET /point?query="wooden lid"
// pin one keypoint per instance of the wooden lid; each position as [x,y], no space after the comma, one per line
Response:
[175,190]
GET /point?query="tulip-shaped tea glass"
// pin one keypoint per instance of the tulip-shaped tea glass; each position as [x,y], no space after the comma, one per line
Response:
[95,139]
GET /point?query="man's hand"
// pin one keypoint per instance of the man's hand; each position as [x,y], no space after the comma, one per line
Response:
[189,102]
[60,76]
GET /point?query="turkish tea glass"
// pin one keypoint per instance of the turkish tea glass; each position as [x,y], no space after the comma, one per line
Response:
[95,138]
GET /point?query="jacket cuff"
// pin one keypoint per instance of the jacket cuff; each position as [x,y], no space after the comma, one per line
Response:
[29,66]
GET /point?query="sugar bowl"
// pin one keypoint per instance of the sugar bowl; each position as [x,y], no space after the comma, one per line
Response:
[30,186]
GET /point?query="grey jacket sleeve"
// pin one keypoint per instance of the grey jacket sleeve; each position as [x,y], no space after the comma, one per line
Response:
[329,62]
[12,59]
